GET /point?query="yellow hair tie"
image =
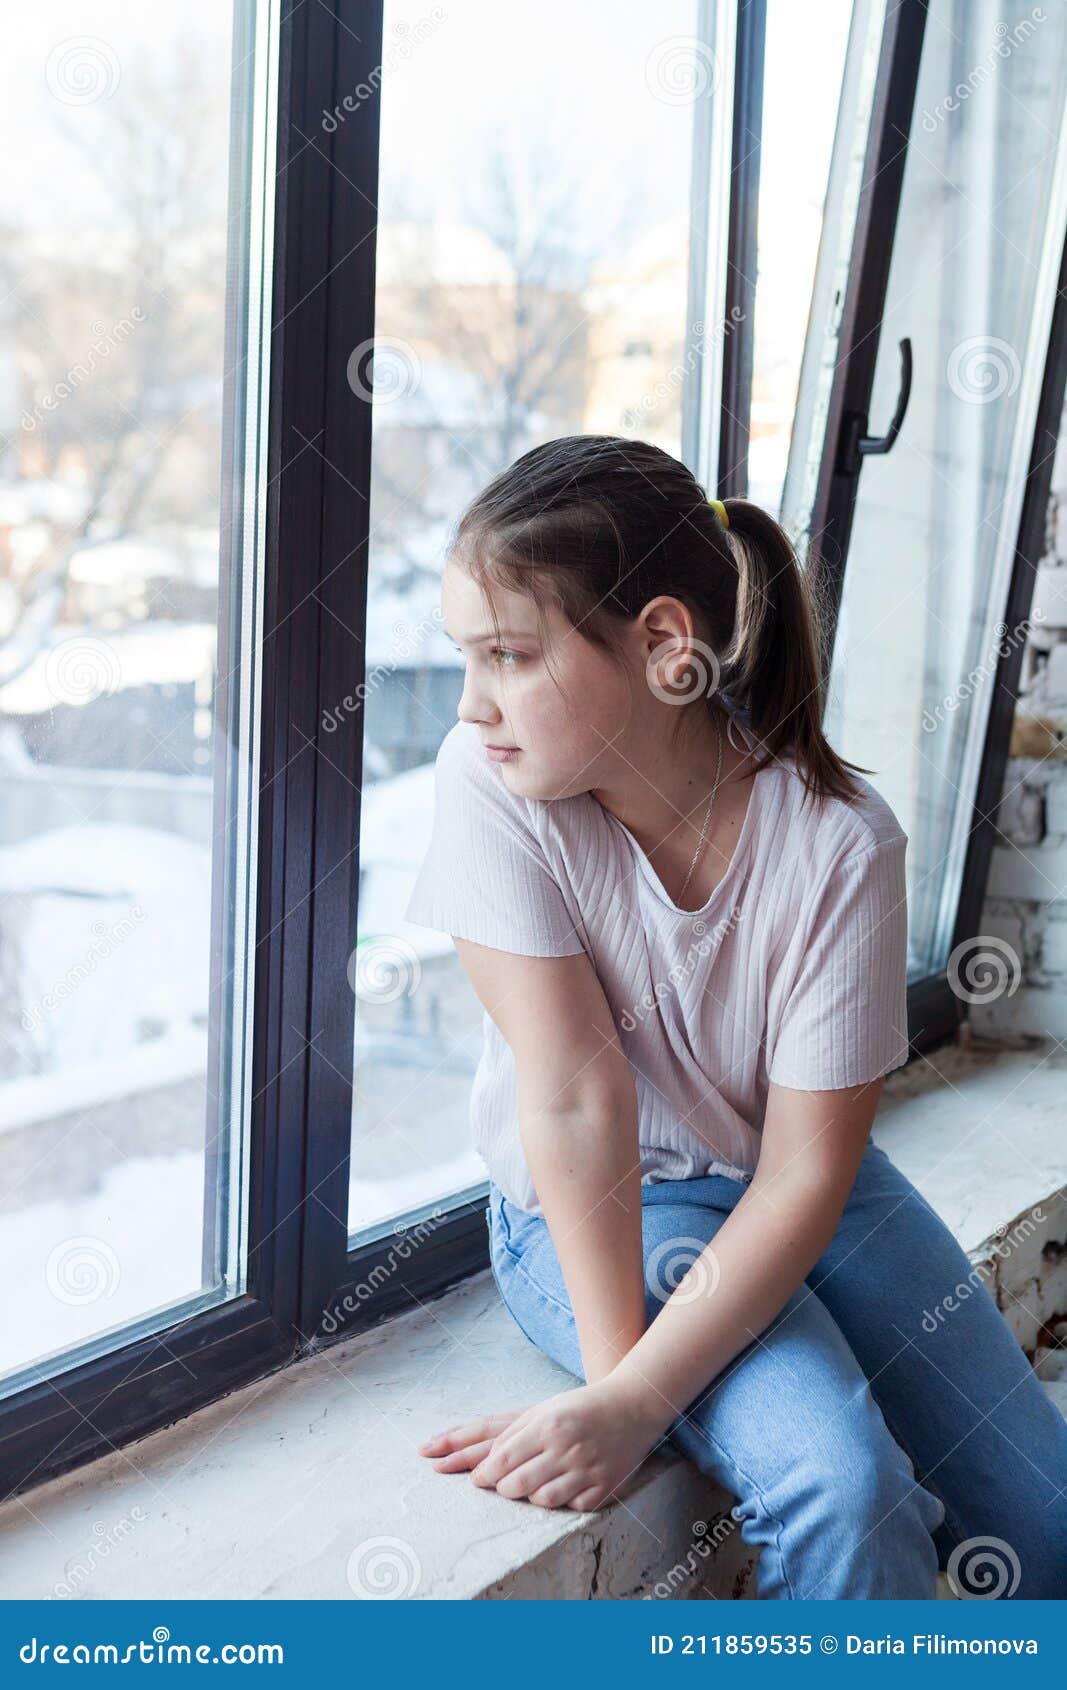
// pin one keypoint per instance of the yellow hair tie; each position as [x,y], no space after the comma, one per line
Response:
[718,505]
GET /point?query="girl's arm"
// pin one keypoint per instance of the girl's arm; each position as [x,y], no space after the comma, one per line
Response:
[578,1449]
[810,1154]
[577,1109]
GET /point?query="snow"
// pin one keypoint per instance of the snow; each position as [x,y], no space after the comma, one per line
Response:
[110,924]
[404,629]
[80,664]
[406,1189]
[74,1270]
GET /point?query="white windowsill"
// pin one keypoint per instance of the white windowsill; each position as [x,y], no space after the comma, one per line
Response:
[280,1489]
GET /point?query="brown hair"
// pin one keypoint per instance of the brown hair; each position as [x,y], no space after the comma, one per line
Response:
[604,524]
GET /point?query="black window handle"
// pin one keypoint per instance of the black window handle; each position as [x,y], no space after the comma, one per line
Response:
[857,443]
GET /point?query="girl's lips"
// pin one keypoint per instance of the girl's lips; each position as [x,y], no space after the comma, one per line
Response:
[496,755]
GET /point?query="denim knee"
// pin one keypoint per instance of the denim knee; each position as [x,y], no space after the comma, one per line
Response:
[869,1521]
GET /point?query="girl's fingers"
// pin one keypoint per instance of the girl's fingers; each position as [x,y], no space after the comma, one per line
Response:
[508,1452]
[531,1475]
[595,1497]
[471,1431]
[461,1460]
[558,1492]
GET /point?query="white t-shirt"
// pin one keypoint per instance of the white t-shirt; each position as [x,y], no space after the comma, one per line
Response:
[793,971]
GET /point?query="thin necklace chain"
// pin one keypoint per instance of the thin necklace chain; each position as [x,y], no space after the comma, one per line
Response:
[704,823]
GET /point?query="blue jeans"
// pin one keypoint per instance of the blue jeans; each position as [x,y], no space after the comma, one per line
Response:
[870,1434]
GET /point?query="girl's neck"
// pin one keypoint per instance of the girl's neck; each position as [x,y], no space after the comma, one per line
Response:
[663,800]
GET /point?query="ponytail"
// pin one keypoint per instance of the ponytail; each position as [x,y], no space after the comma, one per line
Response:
[774,663]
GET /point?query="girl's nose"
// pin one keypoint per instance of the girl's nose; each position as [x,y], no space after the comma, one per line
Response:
[475,704]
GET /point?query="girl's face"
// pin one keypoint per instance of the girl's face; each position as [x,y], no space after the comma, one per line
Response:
[562,726]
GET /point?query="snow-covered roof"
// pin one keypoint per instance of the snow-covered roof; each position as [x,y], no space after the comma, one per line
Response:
[81,664]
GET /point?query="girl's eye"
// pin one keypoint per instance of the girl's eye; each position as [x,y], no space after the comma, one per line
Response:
[499,652]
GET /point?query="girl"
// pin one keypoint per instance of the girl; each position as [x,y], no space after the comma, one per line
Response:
[686,922]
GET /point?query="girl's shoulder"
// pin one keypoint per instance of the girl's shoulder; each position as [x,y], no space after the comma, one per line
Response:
[835,829]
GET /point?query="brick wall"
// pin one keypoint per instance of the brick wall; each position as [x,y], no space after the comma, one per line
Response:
[1025,908]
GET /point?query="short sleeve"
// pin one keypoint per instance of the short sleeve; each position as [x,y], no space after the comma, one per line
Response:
[485,876]
[844,1020]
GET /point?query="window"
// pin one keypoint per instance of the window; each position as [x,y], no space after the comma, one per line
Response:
[935,293]
[277,302]
[129,585]
[977,250]
[518,297]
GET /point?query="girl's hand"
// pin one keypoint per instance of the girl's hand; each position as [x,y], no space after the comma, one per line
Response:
[577,1449]
[462,1447]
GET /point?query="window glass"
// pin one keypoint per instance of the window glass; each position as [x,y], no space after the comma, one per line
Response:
[520,296]
[128,537]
